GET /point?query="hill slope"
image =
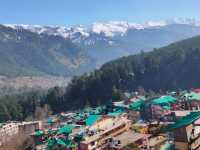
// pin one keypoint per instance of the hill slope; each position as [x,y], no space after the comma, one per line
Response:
[171,67]
[111,40]
[26,53]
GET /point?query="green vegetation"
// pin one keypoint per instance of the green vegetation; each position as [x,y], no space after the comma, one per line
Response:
[19,107]
[26,106]
[176,66]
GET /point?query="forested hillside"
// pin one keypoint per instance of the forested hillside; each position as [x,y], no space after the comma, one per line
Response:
[173,67]
[30,105]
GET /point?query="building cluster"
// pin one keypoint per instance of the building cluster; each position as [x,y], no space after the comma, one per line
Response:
[11,129]
[168,121]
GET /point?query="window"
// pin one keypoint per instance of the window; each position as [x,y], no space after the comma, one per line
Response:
[92,143]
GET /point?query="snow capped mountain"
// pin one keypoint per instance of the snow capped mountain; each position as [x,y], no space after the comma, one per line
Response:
[107,29]
[110,29]
[105,41]
[120,28]
[66,32]
[185,21]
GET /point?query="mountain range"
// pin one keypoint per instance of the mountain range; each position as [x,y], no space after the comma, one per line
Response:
[68,51]
[27,53]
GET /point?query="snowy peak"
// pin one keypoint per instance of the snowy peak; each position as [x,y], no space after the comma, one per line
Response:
[120,28]
[66,32]
[114,28]
[151,24]
[107,29]
[110,29]
[186,21]
[105,41]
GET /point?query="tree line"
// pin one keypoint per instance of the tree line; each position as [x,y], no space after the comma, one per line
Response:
[173,67]
[29,105]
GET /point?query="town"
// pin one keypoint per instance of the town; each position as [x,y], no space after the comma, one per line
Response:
[100,75]
[164,122]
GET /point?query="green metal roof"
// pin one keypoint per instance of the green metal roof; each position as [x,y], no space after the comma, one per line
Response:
[92,119]
[51,143]
[184,121]
[114,114]
[136,105]
[67,129]
[164,99]
[166,107]
[61,142]
[52,131]
[39,133]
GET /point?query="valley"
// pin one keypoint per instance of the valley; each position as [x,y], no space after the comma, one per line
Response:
[9,86]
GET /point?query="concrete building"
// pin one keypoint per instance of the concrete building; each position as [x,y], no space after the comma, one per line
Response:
[156,142]
[127,138]
[187,137]
[29,127]
[8,130]
[105,129]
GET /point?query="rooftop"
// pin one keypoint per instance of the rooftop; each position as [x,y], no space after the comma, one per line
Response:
[184,121]
[110,126]
[129,137]
[157,140]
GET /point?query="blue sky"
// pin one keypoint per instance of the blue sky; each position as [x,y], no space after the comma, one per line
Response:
[74,12]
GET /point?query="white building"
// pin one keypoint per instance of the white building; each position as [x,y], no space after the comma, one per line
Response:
[8,130]
[105,128]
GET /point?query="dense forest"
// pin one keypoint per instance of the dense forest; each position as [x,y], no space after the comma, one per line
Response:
[173,67]
[29,106]
[176,66]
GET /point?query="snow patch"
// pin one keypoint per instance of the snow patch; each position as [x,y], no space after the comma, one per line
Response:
[106,29]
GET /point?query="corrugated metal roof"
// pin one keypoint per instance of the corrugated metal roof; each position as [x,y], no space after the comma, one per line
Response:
[164,99]
[92,119]
[184,121]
